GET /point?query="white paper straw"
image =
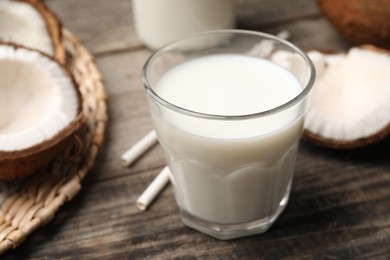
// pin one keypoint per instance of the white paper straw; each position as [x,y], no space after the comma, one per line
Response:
[264,47]
[284,34]
[139,148]
[154,188]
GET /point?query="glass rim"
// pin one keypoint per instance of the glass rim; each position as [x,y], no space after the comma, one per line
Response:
[286,105]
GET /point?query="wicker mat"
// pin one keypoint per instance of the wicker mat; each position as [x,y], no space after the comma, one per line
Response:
[27,204]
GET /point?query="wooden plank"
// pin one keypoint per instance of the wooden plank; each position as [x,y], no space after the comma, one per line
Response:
[106,26]
[101,25]
[255,13]
[309,33]
[128,113]
[339,208]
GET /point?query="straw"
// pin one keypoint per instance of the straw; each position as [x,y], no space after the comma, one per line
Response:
[139,148]
[265,47]
[153,189]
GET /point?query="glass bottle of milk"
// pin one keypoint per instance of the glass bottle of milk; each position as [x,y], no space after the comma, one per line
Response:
[158,22]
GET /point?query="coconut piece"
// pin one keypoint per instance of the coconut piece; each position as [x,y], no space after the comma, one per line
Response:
[30,23]
[360,21]
[40,110]
[349,105]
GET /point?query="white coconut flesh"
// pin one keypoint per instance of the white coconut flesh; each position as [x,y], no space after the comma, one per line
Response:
[21,23]
[37,98]
[350,99]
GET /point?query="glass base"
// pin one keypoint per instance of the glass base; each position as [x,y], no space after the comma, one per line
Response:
[231,231]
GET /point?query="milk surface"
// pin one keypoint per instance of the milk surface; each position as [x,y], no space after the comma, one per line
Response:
[229,171]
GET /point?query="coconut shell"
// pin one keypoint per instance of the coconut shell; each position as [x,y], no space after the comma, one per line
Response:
[345,145]
[53,25]
[351,144]
[20,163]
[359,21]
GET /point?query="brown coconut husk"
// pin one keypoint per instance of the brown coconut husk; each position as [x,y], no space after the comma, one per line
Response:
[360,21]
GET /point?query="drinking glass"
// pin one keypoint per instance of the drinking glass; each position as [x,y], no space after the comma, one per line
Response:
[231,173]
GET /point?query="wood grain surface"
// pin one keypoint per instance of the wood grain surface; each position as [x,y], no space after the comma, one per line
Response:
[340,201]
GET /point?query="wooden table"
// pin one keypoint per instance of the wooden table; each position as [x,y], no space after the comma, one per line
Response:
[340,201]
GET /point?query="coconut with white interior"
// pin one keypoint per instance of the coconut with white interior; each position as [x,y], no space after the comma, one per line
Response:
[349,105]
[30,23]
[40,110]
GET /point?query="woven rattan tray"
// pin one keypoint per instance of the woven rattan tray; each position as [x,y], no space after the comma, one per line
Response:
[27,204]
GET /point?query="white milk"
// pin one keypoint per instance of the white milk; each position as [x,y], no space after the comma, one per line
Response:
[158,22]
[229,171]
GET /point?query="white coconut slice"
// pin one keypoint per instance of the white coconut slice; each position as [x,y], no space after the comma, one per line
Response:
[349,105]
[30,23]
[40,108]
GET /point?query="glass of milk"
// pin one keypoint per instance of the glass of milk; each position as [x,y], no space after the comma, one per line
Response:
[228,109]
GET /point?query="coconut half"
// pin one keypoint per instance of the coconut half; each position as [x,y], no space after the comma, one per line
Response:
[349,106]
[30,23]
[40,110]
